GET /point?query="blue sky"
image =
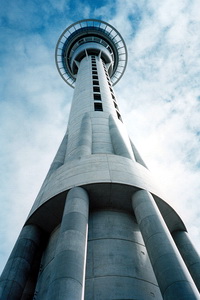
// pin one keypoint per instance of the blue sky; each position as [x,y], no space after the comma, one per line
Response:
[159,97]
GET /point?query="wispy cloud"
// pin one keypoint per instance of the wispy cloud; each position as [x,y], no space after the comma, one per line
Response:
[161,89]
[159,97]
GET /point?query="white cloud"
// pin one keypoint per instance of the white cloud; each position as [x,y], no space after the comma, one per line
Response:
[158,96]
[162,91]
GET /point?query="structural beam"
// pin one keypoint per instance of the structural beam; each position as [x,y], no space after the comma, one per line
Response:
[68,279]
[173,278]
[189,255]
[18,267]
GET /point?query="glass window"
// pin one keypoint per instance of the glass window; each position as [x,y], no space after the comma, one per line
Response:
[115,105]
[97,96]
[119,116]
[98,107]
[96,89]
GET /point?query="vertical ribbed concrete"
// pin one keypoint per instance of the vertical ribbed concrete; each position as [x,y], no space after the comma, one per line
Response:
[47,266]
[18,267]
[29,290]
[101,141]
[120,146]
[88,130]
[118,266]
[67,282]
[189,255]
[81,106]
[172,276]
[85,137]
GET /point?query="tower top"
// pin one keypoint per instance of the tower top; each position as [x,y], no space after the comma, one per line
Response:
[90,37]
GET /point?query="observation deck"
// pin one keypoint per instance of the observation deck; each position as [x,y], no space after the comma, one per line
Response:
[90,37]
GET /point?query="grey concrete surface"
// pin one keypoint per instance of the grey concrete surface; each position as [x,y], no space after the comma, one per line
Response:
[118,266]
[173,277]
[17,270]
[68,278]
[85,137]
[189,255]
[118,142]
[93,169]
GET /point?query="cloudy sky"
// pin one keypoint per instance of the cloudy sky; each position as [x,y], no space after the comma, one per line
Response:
[159,97]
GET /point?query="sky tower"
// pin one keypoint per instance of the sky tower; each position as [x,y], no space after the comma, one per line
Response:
[99,228]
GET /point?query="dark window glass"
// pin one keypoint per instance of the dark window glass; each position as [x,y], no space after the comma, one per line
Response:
[98,107]
[96,89]
[95,82]
[94,72]
[97,96]
[95,77]
[115,105]
[119,116]
[113,96]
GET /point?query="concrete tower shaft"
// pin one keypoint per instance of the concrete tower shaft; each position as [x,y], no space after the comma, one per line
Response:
[108,227]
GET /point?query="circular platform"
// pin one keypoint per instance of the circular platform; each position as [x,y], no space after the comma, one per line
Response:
[87,31]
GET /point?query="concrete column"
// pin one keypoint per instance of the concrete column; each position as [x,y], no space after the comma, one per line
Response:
[120,146]
[172,275]
[29,289]
[85,137]
[68,278]
[138,158]
[17,269]
[189,255]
